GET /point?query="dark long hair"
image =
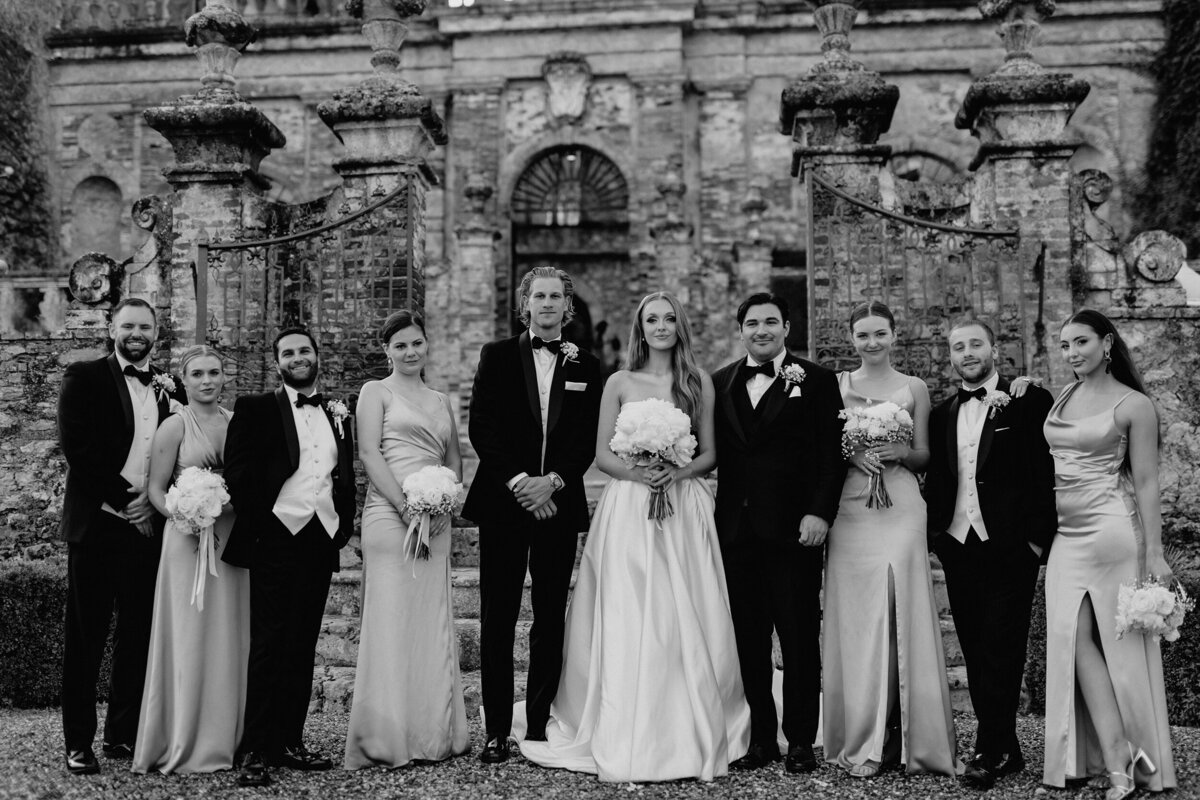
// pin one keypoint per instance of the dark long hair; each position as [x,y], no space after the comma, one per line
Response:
[686,387]
[872,308]
[1121,366]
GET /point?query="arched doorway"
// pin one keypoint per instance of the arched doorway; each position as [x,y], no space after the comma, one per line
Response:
[570,209]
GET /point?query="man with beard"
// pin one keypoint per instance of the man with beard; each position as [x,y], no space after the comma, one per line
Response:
[108,411]
[990,493]
[289,465]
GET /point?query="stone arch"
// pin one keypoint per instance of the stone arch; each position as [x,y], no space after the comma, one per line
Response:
[522,156]
[97,212]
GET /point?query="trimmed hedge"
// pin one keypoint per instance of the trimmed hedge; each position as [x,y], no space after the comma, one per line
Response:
[33,599]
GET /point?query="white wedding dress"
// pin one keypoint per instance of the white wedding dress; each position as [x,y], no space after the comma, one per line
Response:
[651,689]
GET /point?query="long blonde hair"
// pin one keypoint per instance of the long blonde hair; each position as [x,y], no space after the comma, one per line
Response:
[686,388]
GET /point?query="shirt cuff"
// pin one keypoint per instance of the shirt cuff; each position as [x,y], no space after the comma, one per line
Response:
[514,480]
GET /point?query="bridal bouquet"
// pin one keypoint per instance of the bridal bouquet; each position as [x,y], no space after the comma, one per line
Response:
[194,503]
[650,432]
[870,426]
[1149,607]
[429,492]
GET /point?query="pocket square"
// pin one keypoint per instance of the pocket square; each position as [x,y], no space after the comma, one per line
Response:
[795,392]
[1001,430]
[576,386]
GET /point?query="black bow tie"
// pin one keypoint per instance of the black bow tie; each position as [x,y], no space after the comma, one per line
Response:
[965,394]
[303,400]
[142,375]
[553,346]
[767,369]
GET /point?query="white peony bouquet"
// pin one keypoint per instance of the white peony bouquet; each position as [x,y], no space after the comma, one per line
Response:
[1149,607]
[653,431]
[429,492]
[194,503]
[870,426]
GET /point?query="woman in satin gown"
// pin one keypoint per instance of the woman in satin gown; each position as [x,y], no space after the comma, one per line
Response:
[885,696]
[408,697]
[1103,435]
[650,689]
[191,716]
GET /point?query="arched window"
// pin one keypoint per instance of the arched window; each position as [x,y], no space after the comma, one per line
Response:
[96,215]
[569,187]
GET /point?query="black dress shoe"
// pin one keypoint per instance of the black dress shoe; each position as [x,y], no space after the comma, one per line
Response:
[800,759]
[252,771]
[300,757]
[495,751]
[117,751]
[757,757]
[983,770]
[535,735]
[82,762]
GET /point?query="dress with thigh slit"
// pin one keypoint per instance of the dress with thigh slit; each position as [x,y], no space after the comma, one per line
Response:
[874,556]
[1099,546]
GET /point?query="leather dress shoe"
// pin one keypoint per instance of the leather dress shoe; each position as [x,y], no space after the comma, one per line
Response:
[535,735]
[800,759]
[117,751]
[300,757]
[757,757]
[495,751]
[252,771]
[983,770]
[82,762]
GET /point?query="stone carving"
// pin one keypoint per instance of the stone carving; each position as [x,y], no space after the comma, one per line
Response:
[95,279]
[568,78]
[477,191]
[1020,28]
[1155,255]
[220,35]
[834,19]
[1096,188]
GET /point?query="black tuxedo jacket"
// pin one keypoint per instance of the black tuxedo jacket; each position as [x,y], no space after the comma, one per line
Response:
[262,450]
[506,431]
[787,464]
[95,431]
[1014,472]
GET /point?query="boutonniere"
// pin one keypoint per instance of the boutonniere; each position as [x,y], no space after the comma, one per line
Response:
[163,384]
[793,375]
[338,413]
[570,352]
[995,401]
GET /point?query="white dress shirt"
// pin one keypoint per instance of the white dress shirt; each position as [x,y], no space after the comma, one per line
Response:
[544,363]
[758,383]
[971,417]
[145,423]
[309,490]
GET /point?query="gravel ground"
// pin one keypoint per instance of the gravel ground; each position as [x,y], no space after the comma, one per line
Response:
[31,766]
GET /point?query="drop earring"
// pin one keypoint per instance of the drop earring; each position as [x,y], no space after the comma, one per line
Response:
[1107,362]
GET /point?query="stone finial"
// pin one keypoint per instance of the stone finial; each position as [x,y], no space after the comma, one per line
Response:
[1156,256]
[220,35]
[834,19]
[385,24]
[568,77]
[477,191]
[1020,27]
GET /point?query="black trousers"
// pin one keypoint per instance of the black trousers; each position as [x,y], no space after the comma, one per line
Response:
[777,586]
[547,550]
[116,568]
[289,582]
[991,587]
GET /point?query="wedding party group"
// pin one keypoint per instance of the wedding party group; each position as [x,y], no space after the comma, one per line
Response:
[661,665]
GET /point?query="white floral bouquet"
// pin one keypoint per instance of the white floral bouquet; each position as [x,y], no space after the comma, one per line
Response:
[194,503]
[1150,608]
[653,431]
[870,426]
[429,492]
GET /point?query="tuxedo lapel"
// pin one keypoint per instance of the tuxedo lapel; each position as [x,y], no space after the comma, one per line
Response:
[525,353]
[557,387]
[122,393]
[289,427]
[952,437]
[730,406]
[989,426]
[160,397]
[772,401]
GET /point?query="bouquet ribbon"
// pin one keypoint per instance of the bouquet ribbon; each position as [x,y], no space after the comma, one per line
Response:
[418,535]
[206,564]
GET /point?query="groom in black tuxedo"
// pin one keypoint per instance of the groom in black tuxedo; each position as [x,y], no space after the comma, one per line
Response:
[990,492]
[289,465]
[535,406]
[108,412]
[780,474]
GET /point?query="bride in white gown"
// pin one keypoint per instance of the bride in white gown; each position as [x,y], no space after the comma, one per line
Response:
[650,688]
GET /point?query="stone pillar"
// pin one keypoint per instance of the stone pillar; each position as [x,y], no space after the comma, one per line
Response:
[753,251]
[672,233]
[1019,113]
[473,289]
[723,160]
[218,140]
[389,128]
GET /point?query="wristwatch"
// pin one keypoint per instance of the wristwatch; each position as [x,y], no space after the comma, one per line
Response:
[555,481]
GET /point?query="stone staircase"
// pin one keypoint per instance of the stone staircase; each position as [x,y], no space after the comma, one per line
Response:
[337,648]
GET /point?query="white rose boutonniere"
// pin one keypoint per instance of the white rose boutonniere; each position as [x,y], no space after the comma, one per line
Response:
[163,384]
[995,401]
[793,375]
[338,412]
[570,352]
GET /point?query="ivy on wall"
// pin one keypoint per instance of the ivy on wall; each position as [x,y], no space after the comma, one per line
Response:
[1168,196]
